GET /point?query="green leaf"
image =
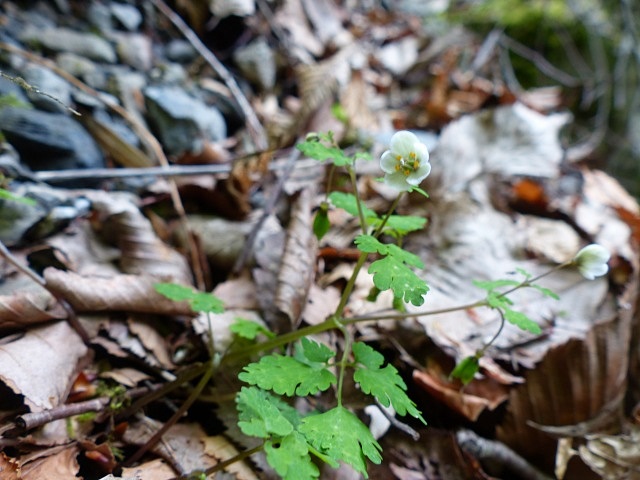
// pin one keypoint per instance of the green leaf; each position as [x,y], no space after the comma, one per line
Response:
[385,384]
[287,376]
[341,435]
[546,292]
[349,203]
[7,195]
[319,151]
[496,300]
[206,302]
[290,457]
[339,113]
[520,320]
[313,353]
[173,291]
[248,329]
[198,301]
[419,190]
[262,415]
[370,244]
[321,224]
[466,369]
[389,273]
[493,284]
[401,224]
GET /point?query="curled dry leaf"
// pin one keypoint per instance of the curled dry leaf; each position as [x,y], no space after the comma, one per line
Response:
[129,293]
[142,252]
[298,261]
[38,367]
[26,308]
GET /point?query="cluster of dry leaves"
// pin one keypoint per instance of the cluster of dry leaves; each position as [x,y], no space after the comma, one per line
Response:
[87,330]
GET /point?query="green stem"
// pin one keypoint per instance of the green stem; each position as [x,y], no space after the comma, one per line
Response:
[495,337]
[343,361]
[351,284]
[392,209]
[354,184]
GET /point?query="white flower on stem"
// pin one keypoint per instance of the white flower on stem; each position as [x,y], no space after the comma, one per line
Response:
[406,163]
[592,261]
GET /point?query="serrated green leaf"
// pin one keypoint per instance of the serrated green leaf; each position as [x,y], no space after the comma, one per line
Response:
[206,302]
[314,352]
[198,301]
[173,291]
[287,376]
[389,273]
[349,203]
[520,320]
[385,384]
[524,273]
[261,414]
[401,224]
[370,244]
[290,457]
[341,435]
[493,284]
[321,223]
[363,156]
[466,369]
[495,300]
[319,151]
[546,292]
[249,329]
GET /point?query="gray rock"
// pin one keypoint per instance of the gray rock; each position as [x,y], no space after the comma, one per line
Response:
[128,15]
[66,40]
[180,51]
[99,15]
[135,50]
[257,62]
[48,82]
[181,121]
[76,65]
[49,141]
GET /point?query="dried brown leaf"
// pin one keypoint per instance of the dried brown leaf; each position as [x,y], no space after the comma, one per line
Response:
[42,364]
[129,293]
[61,464]
[222,449]
[26,308]
[297,268]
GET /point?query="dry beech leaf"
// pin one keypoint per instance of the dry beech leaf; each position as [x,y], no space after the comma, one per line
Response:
[613,456]
[222,449]
[154,470]
[129,293]
[61,464]
[42,364]
[183,445]
[26,308]
[142,252]
[297,267]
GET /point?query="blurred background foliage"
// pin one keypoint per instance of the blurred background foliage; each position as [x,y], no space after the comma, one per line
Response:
[591,48]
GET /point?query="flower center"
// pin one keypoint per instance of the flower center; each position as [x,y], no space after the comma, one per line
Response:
[407,166]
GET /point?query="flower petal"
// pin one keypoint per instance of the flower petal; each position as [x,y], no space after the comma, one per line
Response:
[592,261]
[403,143]
[420,174]
[422,152]
[397,180]
[388,162]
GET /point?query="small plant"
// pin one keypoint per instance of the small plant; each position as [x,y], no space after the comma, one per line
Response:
[293,442]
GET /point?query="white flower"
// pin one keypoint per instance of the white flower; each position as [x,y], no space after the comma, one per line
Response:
[592,261]
[406,163]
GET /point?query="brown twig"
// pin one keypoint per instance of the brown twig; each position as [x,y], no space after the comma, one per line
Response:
[71,314]
[253,124]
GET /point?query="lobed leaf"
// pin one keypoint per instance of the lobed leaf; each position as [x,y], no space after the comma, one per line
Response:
[349,203]
[198,301]
[491,285]
[400,225]
[520,320]
[385,384]
[290,457]
[313,353]
[319,151]
[262,415]
[287,376]
[389,273]
[249,329]
[341,435]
